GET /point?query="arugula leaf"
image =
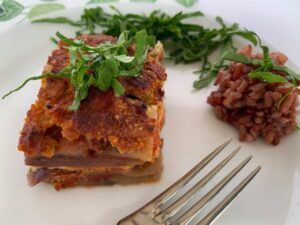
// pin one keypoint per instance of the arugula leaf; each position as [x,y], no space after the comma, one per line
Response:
[141,46]
[248,35]
[80,94]
[53,40]
[204,79]
[267,77]
[106,73]
[24,83]
[210,71]
[73,55]
[67,40]
[221,21]
[233,56]
[118,87]
[291,75]
[122,38]
[134,72]
[124,58]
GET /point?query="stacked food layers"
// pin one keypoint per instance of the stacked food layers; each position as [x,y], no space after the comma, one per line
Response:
[108,139]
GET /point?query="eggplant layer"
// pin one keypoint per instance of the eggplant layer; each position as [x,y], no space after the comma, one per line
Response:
[64,178]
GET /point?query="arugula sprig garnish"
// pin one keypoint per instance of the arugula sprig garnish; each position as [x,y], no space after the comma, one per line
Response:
[263,69]
[100,66]
[209,70]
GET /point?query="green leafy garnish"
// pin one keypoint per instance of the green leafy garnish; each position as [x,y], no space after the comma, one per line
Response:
[53,40]
[267,77]
[263,69]
[185,42]
[209,71]
[233,56]
[99,66]
[24,83]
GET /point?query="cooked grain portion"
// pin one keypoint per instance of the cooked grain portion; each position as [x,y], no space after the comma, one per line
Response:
[256,108]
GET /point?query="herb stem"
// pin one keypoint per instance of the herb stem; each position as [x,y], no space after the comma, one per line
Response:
[24,83]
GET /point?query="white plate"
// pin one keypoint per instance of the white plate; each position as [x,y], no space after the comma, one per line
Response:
[190,133]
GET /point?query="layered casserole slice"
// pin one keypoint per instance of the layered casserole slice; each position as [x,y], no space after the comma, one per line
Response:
[108,139]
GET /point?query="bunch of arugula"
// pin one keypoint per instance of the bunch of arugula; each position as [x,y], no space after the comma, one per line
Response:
[185,42]
[100,66]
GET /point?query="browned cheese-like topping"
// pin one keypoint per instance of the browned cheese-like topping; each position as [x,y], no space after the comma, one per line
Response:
[121,121]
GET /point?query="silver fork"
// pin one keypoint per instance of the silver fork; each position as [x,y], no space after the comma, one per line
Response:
[167,208]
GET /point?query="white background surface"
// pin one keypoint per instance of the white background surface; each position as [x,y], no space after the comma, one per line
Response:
[277,22]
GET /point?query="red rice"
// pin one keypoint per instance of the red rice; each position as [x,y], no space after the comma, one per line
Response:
[254,107]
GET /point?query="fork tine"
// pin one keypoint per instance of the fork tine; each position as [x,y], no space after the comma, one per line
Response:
[186,198]
[211,216]
[196,208]
[177,186]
